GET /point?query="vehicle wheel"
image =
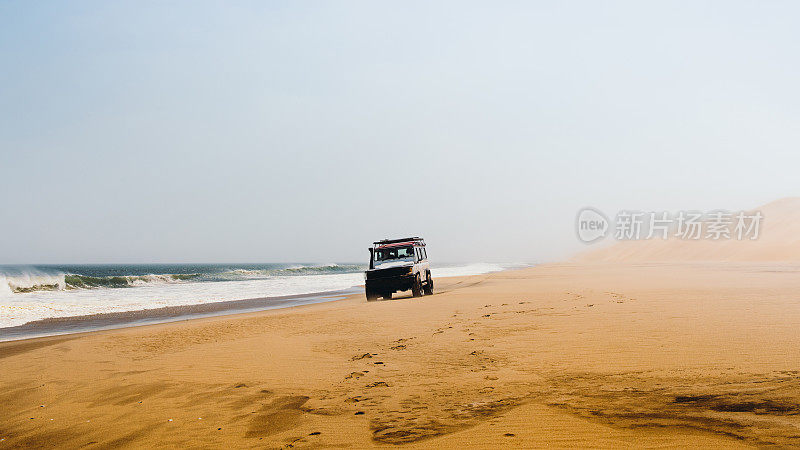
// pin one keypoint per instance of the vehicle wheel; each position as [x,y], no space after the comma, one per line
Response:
[387,296]
[428,285]
[371,296]
[416,288]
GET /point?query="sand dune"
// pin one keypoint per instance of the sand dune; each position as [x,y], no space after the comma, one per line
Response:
[779,240]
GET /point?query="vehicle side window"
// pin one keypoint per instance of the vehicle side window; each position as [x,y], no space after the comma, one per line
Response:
[424,253]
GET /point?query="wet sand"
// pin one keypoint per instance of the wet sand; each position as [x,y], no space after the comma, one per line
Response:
[106,321]
[561,355]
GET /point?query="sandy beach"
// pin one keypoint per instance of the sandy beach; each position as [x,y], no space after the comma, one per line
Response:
[652,355]
[448,225]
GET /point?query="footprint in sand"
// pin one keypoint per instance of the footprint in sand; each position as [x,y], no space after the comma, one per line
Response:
[619,298]
[364,356]
[280,415]
[377,384]
[354,375]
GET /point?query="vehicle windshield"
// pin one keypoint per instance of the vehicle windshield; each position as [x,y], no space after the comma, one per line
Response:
[388,254]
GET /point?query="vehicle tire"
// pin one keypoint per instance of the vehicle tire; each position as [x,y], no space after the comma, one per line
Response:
[428,290]
[371,296]
[416,288]
[387,295]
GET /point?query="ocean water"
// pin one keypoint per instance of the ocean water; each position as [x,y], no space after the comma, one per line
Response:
[29,293]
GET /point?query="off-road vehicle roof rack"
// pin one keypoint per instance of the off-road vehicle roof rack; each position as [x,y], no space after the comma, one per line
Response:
[415,239]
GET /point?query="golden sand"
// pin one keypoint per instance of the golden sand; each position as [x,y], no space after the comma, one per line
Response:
[557,355]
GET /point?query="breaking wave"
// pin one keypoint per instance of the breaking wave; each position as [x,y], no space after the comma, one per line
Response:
[18,285]
[27,280]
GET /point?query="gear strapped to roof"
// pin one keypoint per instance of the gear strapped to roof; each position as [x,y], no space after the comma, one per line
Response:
[390,243]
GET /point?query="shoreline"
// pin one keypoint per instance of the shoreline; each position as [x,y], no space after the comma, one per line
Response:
[67,325]
[62,326]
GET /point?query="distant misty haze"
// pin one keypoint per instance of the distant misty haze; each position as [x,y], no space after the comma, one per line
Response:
[302,131]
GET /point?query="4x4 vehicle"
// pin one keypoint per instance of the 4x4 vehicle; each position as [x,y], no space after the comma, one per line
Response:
[398,265]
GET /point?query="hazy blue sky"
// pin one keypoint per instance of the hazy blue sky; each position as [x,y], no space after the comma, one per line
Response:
[301,131]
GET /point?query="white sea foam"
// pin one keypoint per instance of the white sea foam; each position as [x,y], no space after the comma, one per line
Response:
[5,287]
[20,308]
[30,279]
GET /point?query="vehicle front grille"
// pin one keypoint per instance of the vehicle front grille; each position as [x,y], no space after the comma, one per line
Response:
[387,273]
